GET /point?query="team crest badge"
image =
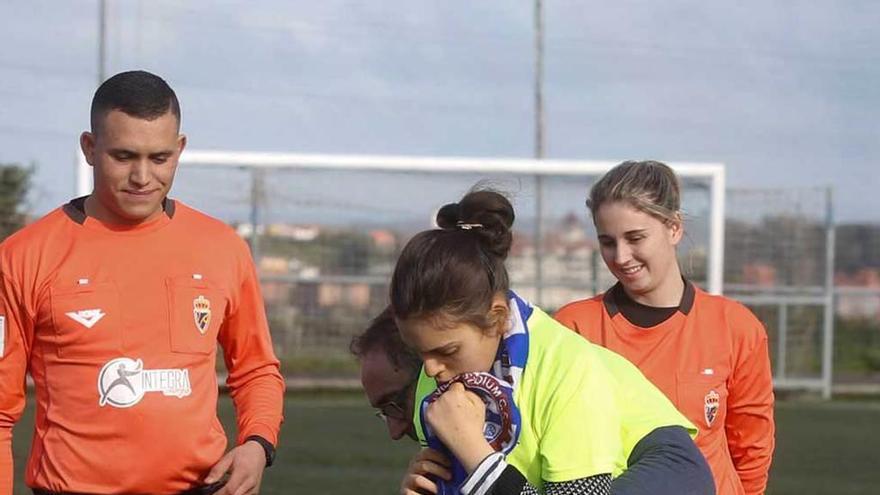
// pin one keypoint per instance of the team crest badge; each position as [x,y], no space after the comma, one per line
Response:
[202,313]
[710,406]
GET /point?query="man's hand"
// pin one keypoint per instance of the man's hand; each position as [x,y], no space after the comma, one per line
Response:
[426,463]
[246,464]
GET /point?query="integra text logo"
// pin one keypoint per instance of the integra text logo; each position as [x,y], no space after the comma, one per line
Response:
[123,382]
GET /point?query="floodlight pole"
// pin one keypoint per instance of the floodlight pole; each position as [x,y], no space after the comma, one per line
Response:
[539,80]
[257,196]
[539,148]
[102,37]
[828,315]
[82,183]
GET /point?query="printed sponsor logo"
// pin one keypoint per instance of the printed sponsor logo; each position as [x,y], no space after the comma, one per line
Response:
[123,382]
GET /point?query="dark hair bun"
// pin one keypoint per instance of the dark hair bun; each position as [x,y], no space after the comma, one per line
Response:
[457,270]
[495,213]
[449,216]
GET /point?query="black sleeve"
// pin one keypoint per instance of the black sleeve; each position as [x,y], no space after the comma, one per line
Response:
[494,476]
[665,462]
[592,485]
[512,482]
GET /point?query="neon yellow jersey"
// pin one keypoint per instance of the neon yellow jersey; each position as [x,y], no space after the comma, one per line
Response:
[643,407]
[583,407]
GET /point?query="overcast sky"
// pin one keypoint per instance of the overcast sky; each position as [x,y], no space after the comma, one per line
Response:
[785,93]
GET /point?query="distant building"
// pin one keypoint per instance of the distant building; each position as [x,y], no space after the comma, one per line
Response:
[384,240]
[570,264]
[859,305]
[302,233]
[352,295]
[760,274]
[275,292]
[273,264]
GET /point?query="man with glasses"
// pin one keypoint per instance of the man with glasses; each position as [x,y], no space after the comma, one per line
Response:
[389,371]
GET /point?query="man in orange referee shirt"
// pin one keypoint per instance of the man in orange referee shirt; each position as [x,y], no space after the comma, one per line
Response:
[115,303]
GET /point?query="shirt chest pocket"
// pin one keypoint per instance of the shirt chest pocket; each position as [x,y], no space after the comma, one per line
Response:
[703,399]
[196,310]
[86,321]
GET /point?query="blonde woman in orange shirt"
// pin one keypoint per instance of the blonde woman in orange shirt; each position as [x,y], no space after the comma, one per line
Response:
[707,353]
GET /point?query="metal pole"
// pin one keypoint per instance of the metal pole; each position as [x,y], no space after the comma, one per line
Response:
[782,341]
[715,273]
[102,36]
[83,182]
[539,151]
[82,172]
[139,52]
[256,200]
[539,236]
[539,80]
[828,323]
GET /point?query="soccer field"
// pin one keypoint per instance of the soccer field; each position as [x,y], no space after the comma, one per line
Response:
[333,445]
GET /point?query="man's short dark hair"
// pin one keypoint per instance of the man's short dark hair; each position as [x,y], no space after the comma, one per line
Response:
[382,335]
[136,93]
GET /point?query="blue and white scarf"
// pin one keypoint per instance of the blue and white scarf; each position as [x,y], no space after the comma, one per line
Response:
[496,388]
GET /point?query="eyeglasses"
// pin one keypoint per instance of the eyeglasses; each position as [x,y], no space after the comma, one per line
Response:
[393,409]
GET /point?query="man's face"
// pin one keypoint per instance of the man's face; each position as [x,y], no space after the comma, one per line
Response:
[391,391]
[134,162]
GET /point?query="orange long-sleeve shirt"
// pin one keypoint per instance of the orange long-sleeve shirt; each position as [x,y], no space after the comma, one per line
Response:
[119,329]
[711,359]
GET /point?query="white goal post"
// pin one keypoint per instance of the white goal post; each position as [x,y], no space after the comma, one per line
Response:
[712,174]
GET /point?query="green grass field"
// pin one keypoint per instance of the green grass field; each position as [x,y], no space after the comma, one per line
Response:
[333,445]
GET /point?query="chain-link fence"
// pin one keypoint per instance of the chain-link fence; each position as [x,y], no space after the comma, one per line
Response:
[779,261]
[857,336]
